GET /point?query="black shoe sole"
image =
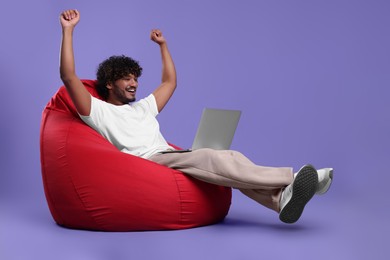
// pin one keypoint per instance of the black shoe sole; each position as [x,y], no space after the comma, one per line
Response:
[304,188]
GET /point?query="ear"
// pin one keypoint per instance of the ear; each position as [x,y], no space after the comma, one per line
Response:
[109,85]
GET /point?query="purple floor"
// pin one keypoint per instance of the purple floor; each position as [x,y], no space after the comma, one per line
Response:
[333,226]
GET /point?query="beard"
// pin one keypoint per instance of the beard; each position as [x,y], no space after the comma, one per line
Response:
[132,100]
[123,96]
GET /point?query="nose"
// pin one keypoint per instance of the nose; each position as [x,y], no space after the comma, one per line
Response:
[133,83]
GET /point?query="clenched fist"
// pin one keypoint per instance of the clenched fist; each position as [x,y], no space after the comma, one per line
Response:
[69,18]
[157,37]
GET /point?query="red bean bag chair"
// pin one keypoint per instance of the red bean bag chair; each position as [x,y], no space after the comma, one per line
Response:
[90,184]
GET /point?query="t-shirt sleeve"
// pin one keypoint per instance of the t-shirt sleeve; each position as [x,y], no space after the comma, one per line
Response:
[151,104]
[96,113]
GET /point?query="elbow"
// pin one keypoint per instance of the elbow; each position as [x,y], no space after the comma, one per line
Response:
[173,85]
[170,83]
[174,82]
[63,75]
[66,77]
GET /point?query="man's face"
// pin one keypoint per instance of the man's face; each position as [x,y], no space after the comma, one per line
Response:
[123,90]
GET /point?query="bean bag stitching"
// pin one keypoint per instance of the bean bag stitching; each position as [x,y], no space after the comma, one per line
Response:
[43,127]
[70,177]
[180,197]
[174,173]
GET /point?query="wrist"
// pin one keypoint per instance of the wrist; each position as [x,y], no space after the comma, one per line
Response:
[163,44]
[68,29]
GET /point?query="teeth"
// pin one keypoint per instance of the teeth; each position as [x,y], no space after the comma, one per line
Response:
[130,89]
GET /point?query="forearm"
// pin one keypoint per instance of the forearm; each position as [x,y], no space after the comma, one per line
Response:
[78,93]
[168,66]
[67,64]
[168,85]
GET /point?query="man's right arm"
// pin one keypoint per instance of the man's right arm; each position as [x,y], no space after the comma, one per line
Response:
[78,93]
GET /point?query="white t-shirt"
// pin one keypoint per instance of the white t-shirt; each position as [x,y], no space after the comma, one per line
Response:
[132,128]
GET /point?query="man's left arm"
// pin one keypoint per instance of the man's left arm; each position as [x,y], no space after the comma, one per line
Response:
[164,92]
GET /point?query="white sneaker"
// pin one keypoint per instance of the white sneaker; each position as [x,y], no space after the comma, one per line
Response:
[296,195]
[325,178]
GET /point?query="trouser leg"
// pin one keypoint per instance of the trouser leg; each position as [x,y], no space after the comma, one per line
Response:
[231,169]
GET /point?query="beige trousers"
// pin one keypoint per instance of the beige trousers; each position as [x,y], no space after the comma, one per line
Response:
[231,169]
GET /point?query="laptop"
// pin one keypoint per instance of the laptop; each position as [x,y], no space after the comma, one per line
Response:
[215,130]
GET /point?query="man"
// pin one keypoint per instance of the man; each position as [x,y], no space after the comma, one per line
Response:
[132,127]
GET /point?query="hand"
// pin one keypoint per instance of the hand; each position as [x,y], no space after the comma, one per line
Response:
[69,18]
[157,37]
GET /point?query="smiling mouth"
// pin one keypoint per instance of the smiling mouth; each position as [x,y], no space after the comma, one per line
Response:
[131,90]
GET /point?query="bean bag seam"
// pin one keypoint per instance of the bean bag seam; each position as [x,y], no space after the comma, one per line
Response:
[70,177]
[54,208]
[180,198]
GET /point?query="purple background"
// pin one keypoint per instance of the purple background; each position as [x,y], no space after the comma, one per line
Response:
[311,77]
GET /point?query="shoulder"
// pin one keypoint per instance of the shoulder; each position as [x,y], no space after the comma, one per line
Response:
[99,109]
[148,103]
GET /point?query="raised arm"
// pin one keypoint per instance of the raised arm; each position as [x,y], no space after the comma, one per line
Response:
[78,93]
[168,83]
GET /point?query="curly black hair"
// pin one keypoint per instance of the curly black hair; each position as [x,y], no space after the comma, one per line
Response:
[114,68]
